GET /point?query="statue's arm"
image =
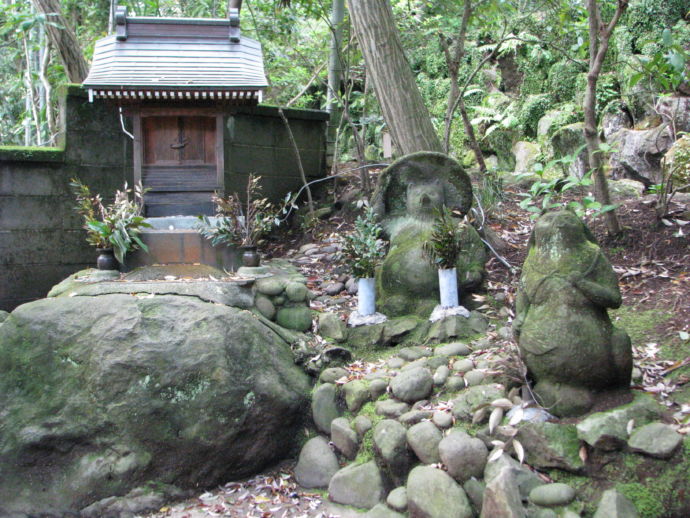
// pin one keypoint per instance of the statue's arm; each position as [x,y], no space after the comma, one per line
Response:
[603,291]
[522,304]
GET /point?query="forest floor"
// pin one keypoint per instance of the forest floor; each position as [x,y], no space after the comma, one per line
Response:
[651,258]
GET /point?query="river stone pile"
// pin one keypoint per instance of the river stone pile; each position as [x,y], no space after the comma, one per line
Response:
[405,433]
[108,388]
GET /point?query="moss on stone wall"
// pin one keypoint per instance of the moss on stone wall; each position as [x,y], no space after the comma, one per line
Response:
[31,154]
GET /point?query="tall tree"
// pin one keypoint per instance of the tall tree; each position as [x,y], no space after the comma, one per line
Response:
[64,40]
[403,109]
[599,36]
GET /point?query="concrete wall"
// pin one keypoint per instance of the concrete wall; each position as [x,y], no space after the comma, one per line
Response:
[41,240]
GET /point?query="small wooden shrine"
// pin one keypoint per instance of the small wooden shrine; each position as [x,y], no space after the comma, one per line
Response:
[177,79]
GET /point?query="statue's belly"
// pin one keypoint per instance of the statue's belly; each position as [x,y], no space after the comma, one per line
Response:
[407,268]
[564,336]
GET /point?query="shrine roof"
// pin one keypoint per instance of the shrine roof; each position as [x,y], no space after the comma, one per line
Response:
[177,59]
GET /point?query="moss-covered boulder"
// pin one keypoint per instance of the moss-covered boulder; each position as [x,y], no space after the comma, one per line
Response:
[571,348]
[407,197]
[105,393]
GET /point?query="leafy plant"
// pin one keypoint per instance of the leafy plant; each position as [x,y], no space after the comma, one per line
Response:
[445,242]
[666,68]
[547,194]
[676,175]
[363,246]
[115,226]
[237,222]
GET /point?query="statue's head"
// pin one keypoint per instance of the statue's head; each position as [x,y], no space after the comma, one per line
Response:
[417,184]
[425,198]
[556,232]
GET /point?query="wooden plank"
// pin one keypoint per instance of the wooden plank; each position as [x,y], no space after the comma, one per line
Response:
[137,150]
[220,154]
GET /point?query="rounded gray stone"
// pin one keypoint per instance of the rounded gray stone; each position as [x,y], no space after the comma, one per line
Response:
[391,408]
[395,363]
[422,362]
[463,365]
[434,362]
[324,407]
[442,419]
[358,485]
[432,493]
[475,491]
[552,495]
[297,318]
[474,378]
[332,374]
[333,288]
[453,349]
[414,416]
[356,394]
[455,383]
[362,424]
[377,388]
[656,440]
[464,456]
[615,505]
[441,375]
[317,464]
[413,385]
[411,354]
[296,291]
[423,438]
[390,442]
[344,437]
[265,306]
[397,499]
[271,285]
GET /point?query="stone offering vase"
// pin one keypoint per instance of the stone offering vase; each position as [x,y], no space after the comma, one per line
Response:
[106,259]
[250,256]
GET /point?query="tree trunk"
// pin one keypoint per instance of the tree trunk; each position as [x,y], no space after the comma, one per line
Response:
[396,90]
[599,36]
[64,41]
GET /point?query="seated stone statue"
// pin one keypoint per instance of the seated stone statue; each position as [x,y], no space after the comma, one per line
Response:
[565,336]
[406,199]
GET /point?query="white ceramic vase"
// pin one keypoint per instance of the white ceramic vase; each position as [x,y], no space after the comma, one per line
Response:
[448,287]
[366,296]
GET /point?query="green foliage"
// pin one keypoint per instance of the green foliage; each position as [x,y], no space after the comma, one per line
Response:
[665,67]
[533,109]
[608,91]
[545,195]
[562,80]
[115,226]
[568,113]
[363,247]
[445,241]
[237,222]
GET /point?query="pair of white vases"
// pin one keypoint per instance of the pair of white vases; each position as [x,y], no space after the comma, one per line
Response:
[448,288]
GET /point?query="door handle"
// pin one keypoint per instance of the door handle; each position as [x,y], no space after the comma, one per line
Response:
[180,144]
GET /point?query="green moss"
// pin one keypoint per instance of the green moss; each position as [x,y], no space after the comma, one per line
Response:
[31,154]
[640,325]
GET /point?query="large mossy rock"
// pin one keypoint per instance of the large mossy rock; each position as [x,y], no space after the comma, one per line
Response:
[103,394]
[408,194]
[570,347]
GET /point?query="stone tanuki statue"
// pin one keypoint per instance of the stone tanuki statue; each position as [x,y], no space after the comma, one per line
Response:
[565,336]
[408,194]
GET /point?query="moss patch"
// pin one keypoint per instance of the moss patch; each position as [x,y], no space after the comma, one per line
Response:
[31,154]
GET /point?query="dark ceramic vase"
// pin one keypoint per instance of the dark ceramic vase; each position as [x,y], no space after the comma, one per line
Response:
[106,259]
[250,256]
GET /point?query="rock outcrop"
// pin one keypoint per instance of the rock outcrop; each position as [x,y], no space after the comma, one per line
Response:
[101,394]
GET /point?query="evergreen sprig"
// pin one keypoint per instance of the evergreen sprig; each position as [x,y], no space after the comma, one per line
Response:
[363,246]
[445,242]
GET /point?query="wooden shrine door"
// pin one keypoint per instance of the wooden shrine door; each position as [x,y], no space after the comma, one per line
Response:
[179,164]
